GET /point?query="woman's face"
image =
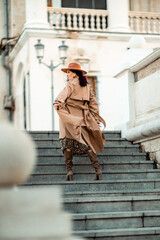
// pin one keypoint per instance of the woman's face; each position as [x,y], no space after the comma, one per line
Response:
[70,74]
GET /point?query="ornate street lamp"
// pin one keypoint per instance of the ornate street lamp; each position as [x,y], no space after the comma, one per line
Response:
[62,51]
[39,47]
[39,50]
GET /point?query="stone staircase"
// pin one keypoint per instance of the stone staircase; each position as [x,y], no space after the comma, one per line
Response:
[124,205]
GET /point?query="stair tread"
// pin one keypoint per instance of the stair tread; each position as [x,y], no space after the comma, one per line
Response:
[108,139]
[99,154]
[101,215]
[115,191]
[119,232]
[106,163]
[107,171]
[111,198]
[110,146]
[106,181]
[57,132]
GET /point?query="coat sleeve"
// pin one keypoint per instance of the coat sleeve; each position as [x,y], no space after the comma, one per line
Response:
[65,93]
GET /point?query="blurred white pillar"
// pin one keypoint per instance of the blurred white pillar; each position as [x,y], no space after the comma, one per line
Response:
[118,16]
[36,13]
[27,213]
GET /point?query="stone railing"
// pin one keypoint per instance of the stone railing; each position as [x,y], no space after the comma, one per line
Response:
[78,19]
[139,108]
[144,22]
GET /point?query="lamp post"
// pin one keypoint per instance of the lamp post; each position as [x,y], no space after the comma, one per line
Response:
[62,55]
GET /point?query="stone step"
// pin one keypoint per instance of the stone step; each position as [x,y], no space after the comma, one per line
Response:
[108,149]
[44,167]
[111,204]
[109,142]
[105,220]
[137,192]
[89,175]
[102,155]
[55,134]
[114,157]
[150,233]
[102,185]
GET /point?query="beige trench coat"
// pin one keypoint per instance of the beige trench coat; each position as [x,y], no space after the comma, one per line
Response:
[79,115]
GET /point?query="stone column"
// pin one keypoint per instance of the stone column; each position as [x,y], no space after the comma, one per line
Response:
[118,16]
[36,14]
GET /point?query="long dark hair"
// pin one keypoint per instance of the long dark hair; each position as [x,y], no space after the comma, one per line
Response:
[82,79]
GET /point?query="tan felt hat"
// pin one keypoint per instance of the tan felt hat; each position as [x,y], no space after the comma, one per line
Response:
[74,66]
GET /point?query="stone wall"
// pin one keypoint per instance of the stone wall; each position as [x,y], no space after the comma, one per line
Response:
[16,17]
[145,129]
[147,97]
[1,19]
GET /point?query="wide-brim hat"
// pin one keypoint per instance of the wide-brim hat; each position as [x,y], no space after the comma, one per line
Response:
[74,66]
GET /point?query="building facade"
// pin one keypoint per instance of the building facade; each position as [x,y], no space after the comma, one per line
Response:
[106,37]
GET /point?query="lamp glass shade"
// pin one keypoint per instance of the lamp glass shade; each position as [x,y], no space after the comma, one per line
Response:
[39,49]
[63,50]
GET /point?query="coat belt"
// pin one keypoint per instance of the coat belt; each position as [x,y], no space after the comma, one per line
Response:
[86,114]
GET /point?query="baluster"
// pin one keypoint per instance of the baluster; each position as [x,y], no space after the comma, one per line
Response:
[69,20]
[158,25]
[103,22]
[98,22]
[143,24]
[137,24]
[57,21]
[63,20]
[154,25]
[149,24]
[92,22]
[132,24]
[75,20]
[86,21]
[50,18]
[80,21]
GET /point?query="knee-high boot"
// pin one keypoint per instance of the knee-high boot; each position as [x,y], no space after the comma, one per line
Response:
[93,158]
[68,160]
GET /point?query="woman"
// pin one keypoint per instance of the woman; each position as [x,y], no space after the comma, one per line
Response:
[79,117]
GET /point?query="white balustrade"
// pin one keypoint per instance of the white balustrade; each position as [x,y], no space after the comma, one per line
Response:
[78,19]
[97,20]
[144,22]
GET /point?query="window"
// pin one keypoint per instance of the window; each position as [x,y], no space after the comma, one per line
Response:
[49,3]
[145,5]
[92,82]
[69,3]
[89,4]
[85,4]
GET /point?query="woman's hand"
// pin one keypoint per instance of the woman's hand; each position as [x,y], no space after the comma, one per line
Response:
[56,106]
